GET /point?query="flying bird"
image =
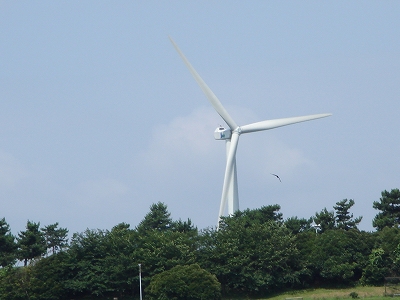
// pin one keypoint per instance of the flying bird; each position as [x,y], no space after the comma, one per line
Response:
[277,177]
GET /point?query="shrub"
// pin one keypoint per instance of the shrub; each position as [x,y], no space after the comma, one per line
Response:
[188,282]
[353,295]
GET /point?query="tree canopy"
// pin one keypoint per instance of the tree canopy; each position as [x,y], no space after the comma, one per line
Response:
[189,282]
[389,207]
[8,246]
[344,219]
[31,242]
[255,252]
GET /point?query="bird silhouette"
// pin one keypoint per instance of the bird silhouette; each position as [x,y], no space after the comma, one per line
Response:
[277,177]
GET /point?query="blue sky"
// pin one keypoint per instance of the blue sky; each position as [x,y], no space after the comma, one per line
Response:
[99,118]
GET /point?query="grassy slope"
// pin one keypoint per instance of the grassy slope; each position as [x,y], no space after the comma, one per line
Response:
[325,294]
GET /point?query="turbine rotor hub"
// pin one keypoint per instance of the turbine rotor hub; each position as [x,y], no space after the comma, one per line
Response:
[238,130]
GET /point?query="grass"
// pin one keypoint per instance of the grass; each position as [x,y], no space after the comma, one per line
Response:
[370,292]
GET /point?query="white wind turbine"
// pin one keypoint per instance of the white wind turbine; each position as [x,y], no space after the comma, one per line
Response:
[231,136]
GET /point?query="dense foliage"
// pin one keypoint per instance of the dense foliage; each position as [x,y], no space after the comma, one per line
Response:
[254,252]
[188,282]
[389,206]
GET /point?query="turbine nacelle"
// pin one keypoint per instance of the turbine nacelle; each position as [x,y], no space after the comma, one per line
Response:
[222,133]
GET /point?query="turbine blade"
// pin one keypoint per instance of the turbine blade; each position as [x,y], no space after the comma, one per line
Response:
[228,172]
[207,91]
[270,124]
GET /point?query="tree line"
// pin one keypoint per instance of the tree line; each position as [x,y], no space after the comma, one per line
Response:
[254,252]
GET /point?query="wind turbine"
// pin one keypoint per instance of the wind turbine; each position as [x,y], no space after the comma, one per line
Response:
[316,227]
[231,135]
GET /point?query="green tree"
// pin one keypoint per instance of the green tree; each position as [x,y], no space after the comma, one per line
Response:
[296,225]
[338,256]
[159,251]
[188,282]
[56,238]
[325,219]
[305,243]
[395,265]
[376,268]
[344,220]
[157,219]
[15,283]
[48,277]
[184,227]
[87,253]
[388,238]
[104,263]
[252,258]
[8,246]
[31,243]
[389,207]
[248,217]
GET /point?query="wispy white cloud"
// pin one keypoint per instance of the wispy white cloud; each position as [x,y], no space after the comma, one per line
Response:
[183,137]
[189,141]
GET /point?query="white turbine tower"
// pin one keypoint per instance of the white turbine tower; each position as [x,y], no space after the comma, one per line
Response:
[231,136]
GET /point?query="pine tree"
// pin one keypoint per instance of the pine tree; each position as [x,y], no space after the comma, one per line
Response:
[389,206]
[325,220]
[31,243]
[344,220]
[8,246]
[157,219]
[56,238]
